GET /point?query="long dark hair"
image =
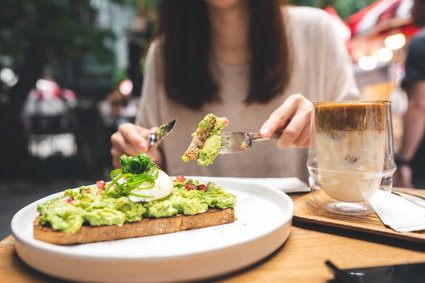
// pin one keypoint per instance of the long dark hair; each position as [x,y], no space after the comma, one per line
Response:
[185,30]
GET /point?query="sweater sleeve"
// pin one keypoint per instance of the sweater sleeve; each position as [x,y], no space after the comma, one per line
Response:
[323,68]
[148,112]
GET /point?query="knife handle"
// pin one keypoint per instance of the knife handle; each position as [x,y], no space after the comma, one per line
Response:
[152,139]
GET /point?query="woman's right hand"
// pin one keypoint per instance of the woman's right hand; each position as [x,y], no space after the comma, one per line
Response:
[292,118]
[131,139]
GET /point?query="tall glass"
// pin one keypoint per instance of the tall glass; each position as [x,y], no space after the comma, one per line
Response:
[351,154]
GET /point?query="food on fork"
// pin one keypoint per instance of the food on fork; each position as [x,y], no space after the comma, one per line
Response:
[206,140]
[140,200]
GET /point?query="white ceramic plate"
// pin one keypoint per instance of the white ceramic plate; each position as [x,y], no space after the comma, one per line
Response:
[263,223]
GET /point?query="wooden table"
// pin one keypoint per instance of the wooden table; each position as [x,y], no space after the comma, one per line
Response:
[300,259]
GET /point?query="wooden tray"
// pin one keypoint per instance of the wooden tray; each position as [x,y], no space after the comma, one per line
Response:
[307,210]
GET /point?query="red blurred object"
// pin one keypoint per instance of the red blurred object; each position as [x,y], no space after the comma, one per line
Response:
[409,31]
[101,185]
[126,87]
[48,88]
[383,16]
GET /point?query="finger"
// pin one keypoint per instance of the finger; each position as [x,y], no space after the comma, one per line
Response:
[292,131]
[134,136]
[151,130]
[303,119]
[281,115]
[306,143]
[303,139]
[120,144]
[146,133]
[118,141]
[155,155]
[116,157]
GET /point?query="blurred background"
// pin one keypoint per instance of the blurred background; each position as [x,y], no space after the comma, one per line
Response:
[71,72]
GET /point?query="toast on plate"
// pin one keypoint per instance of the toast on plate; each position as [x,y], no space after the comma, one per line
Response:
[144,227]
[140,200]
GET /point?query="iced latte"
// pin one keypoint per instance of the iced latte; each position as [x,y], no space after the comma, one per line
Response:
[350,144]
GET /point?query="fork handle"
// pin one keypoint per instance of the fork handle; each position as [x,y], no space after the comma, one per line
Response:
[256,137]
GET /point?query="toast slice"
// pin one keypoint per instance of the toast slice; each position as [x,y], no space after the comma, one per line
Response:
[199,138]
[144,227]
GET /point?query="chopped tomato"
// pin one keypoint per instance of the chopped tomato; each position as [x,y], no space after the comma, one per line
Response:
[189,186]
[224,120]
[202,188]
[180,178]
[101,185]
[87,191]
[67,199]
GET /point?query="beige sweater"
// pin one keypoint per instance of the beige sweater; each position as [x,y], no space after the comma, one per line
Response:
[321,72]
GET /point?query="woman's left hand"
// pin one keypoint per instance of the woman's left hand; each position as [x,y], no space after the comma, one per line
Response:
[292,119]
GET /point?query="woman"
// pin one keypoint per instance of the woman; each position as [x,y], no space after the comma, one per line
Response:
[245,60]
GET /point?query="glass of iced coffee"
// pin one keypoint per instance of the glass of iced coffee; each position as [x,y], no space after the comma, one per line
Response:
[351,154]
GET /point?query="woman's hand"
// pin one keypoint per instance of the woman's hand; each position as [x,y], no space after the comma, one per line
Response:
[131,139]
[292,118]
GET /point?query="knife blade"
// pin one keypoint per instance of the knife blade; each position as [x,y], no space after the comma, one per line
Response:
[161,133]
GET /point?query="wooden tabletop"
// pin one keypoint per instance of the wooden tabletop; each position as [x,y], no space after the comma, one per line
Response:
[300,259]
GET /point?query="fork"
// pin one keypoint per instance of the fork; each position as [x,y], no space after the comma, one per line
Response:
[233,142]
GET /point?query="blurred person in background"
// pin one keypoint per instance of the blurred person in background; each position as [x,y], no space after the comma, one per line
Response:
[410,158]
[119,107]
[257,63]
[46,107]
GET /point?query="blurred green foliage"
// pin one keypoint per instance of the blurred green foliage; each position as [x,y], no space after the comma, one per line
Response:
[345,8]
[64,28]
[118,76]
[38,36]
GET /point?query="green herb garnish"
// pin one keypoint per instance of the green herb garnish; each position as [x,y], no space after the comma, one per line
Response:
[135,165]
[136,171]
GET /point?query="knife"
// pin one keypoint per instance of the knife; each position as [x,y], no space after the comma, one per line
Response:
[161,133]
[416,199]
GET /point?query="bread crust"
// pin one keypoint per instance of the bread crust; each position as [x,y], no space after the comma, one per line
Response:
[199,139]
[145,227]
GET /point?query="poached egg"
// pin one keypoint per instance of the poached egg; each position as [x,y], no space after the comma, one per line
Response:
[162,188]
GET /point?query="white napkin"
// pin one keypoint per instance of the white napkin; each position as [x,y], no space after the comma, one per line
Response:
[398,213]
[287,185]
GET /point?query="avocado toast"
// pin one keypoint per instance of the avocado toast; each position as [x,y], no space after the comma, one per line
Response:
[140,200]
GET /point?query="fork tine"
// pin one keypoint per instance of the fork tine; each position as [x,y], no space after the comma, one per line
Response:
[231,142]
[224,143]
[224,140]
